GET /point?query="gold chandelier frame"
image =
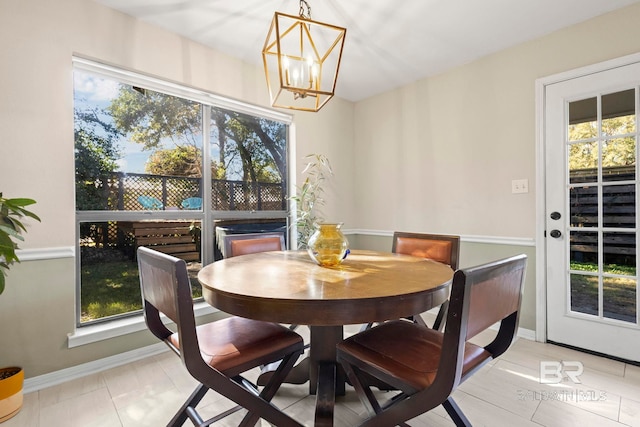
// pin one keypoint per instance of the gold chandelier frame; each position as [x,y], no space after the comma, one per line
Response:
[307,56]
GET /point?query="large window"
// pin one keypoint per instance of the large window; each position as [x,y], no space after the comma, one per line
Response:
[167,167]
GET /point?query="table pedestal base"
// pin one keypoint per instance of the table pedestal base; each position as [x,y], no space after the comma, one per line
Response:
[325,394]
[326,378]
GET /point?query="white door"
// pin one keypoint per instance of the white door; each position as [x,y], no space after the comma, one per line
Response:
[591,135]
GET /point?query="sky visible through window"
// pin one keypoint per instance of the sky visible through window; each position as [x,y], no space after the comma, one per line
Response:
[96,92]
[175,120]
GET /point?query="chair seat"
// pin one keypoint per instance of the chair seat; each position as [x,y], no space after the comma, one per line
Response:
[235,344]
[407,351]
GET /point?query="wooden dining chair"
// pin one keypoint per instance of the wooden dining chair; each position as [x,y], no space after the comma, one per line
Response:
[438,247]
[427,365]
[250,243]
[216,354]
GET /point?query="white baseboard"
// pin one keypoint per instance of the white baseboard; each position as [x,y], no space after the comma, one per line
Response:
[79,371]
[527,334]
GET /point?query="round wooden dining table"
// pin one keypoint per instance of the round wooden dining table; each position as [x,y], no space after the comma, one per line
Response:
[288,287]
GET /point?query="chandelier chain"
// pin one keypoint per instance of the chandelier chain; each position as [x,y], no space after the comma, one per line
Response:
[305,10]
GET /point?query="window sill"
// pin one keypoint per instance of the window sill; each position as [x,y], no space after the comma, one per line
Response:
[116,328]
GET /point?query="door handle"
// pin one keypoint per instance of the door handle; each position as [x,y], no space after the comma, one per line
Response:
[555,234]
[555,215]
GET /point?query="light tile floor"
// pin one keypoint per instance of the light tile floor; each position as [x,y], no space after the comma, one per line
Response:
[507,392]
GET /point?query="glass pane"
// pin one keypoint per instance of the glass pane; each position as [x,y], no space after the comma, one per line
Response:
[248,162]
[583,206]
[619,159]
[619,206]
[109,272]
[619,113]
[135,149]
[619,298]
[583,162]
[583,119]
[584,294]
[583,251]
[619,253]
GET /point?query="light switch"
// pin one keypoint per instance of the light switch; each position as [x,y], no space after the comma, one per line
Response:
[519,186]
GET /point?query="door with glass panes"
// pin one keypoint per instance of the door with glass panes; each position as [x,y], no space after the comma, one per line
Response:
[591,148]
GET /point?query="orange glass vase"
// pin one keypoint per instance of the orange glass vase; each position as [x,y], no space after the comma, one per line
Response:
[328,246]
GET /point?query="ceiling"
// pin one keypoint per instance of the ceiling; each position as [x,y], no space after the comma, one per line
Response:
[388,43]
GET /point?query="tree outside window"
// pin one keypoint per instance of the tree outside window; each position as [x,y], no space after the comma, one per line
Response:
[141,171]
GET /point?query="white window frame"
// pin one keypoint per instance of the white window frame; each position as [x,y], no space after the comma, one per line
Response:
[85,334]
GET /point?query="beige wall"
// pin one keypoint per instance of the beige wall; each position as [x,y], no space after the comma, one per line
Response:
[37,41]
[472,254]
[438,155]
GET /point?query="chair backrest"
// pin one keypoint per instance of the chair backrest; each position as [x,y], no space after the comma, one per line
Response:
[480,297]
[250,243]
[193,203]
[166,289]
[150,203]
[438,247]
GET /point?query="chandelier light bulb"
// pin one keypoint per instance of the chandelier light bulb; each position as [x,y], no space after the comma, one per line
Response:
[305,56]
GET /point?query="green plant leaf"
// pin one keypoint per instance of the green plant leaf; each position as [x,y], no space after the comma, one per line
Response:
[19,201]
[10,231]
[308,198]
[11,227]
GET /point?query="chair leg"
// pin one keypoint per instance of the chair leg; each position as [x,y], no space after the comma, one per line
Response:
[363,391]
[217,417]
[456,414]
[438,324]
[269,391]
[278,377]
[181,416]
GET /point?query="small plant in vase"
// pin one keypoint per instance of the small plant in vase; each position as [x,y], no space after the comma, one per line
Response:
[309,197]
[325,243]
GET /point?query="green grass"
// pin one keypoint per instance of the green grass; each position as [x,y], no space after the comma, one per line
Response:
[619,296]
[113,288]
[608,268]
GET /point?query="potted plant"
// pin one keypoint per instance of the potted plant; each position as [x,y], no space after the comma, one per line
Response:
[12,212]
[309,197]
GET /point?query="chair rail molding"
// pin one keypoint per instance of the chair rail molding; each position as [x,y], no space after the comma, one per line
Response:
[495,240]
[39,254]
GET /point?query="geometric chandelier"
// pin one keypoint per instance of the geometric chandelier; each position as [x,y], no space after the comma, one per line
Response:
[301,60]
